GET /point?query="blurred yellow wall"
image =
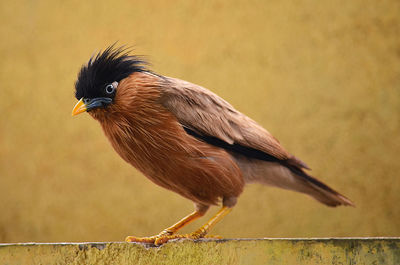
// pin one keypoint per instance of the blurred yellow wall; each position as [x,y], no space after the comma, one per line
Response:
[322,76]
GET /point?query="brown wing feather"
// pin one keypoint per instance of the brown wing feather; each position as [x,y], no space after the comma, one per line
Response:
[207,114]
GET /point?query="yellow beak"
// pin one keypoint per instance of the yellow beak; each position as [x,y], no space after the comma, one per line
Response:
[79,107]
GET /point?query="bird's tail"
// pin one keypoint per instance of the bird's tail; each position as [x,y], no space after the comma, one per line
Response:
[289,174]
[320,191]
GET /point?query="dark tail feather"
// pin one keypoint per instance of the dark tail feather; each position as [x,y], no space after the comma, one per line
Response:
[321,191]
[311,186]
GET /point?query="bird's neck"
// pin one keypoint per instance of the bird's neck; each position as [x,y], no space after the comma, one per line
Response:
[136,123]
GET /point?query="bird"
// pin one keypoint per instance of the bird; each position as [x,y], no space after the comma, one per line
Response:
[186,139]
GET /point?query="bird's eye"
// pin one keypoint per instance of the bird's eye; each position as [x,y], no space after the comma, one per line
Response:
[110,89]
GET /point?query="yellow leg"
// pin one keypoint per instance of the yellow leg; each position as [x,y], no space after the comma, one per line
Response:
[183,222]
[202,231]
[199,233]
[168,231]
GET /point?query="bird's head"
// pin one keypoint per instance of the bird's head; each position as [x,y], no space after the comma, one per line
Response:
[98,80]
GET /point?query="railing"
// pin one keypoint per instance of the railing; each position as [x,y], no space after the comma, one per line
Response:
[225,251]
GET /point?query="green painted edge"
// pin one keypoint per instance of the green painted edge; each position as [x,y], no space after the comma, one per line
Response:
[208,251]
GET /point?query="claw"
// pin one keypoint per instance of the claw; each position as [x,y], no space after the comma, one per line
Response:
[141,239]
[168,234]
[162,239]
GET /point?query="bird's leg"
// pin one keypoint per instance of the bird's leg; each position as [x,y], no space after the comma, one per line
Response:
[200,211]
[199,233]
[183,222]
[202,231]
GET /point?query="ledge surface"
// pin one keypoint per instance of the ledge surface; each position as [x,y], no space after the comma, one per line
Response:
[225,251]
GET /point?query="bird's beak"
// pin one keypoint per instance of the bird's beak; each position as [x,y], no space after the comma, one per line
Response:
[90,104]
[79,107]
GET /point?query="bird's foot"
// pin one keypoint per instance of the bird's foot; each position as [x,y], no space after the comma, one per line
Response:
[193,236]
[149,240]
[164,238]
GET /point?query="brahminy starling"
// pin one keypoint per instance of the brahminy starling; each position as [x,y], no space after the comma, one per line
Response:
[187,139]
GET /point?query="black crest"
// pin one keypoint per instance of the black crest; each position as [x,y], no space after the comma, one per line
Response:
[113,64]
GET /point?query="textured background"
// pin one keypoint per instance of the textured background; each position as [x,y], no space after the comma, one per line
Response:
[323,77]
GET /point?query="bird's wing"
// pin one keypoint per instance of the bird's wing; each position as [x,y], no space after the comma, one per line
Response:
[208,115]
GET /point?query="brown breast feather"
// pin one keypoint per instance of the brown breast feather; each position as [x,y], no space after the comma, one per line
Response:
[149,137]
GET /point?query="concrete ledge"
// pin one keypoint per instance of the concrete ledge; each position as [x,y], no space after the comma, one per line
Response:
[226,251]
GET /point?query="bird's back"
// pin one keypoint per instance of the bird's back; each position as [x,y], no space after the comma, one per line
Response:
[258,154]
